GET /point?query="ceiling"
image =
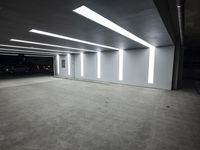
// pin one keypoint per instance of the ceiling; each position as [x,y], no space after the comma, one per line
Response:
[192,22]
[140,17]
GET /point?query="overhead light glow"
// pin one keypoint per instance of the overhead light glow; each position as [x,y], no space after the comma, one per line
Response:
[151,65]
[38,55]
[71,39]
[58,64]
[25,51]
[92,15]
[51,45]
[69,64]
[99,64]
[19,52]
[82,66]
[34,48]
[121,53]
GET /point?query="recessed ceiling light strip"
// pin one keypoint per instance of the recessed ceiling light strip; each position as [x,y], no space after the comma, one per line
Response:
[71,39]
[34,48]
[25,51]
[18,52]
[51,45]
[34,55]
[92,15]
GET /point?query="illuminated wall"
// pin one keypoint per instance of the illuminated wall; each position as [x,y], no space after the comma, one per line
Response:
[68,70]
[135,67]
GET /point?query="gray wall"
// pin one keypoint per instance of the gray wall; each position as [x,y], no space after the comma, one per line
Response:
[135,71]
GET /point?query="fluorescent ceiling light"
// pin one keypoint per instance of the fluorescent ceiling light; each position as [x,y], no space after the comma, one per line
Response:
[71,39]
[121,53]
[24,51]
[34,48]
[92,15]
[51,45]
[38,55]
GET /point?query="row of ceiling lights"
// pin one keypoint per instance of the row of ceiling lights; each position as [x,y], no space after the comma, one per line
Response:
[88,13]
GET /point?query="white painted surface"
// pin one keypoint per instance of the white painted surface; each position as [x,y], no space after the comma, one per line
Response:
[64,71]
[135,67]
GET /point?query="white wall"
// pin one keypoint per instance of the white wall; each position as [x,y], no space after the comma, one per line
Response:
[109,66]
[136,63]
[64,71]
[135,71]
[164,59]
[90,66]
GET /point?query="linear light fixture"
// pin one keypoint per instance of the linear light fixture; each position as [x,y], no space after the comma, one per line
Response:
[51,45]
[58,64]
[69,63]
[71,39]
[92,15]
[99,64]
[25,51]
[34,48]
[151,65]
[82,66]
[29,55]
[121,53]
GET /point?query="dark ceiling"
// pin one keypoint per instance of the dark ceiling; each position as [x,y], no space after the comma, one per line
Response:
[140,17]
[192,23]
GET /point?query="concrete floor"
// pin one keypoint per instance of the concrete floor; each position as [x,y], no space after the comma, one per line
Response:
[60,114]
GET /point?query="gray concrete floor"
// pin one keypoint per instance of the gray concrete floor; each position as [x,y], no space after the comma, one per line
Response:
[57,114]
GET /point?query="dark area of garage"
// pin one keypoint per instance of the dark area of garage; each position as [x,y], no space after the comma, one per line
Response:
[19,65]
[192,41]
[182,19]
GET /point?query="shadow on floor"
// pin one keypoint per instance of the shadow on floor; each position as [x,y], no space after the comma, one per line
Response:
[191,86]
